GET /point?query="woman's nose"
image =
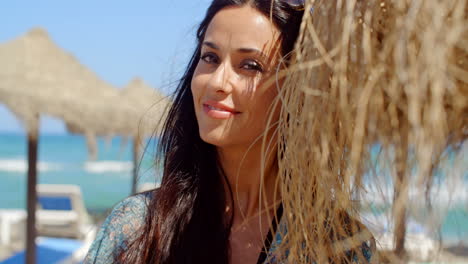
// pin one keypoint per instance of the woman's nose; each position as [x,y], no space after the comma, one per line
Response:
[220,81]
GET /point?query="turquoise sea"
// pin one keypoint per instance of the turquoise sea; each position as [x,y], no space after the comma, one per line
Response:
[63,159]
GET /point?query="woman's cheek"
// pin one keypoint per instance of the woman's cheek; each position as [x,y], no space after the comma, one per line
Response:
[196,88]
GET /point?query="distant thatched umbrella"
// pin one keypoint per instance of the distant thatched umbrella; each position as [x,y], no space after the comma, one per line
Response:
[140,114]
[148,108]
[37,77]
[33,66]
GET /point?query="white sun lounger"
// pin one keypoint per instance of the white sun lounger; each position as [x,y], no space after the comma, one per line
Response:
[60,214]
[12,229]
[147,186]
[61,211]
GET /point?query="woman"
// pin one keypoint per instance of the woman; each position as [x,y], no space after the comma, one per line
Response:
[218,149]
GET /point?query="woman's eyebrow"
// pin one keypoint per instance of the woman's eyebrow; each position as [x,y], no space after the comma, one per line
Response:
[241,50]
[211,45]
[253,50]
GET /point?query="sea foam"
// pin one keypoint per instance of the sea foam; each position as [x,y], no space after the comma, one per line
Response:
[108,166]
[21,166]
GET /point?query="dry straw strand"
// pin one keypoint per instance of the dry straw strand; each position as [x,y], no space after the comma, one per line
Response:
[387,75]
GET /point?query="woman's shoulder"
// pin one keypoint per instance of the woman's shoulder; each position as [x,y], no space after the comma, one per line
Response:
[119,228]
[131,208]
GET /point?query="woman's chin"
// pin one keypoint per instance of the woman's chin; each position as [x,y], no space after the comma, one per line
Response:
[215,139]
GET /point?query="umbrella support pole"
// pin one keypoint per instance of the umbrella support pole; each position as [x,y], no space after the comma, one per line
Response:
[136,158]
[400,194]
[32,193]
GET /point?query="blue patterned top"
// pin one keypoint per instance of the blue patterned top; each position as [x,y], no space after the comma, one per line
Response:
[129,215]
[126,217]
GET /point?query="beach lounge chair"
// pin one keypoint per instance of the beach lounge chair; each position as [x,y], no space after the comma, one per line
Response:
[12,230]
[61,211]
[147,186]
[63,225]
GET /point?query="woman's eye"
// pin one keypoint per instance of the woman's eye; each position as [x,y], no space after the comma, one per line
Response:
[252,66]
[209,58]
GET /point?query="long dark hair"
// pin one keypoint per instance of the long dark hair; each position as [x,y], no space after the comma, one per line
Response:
[186,220]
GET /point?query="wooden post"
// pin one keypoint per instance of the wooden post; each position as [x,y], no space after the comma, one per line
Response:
[32,193]
[400,218]
[400,197]
[136,158]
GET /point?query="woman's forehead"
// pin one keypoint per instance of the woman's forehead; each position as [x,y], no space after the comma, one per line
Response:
[242,27]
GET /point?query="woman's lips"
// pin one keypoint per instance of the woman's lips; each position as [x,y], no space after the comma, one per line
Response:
[218,111]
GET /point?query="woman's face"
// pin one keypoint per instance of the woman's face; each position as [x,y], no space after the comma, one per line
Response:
[239,53]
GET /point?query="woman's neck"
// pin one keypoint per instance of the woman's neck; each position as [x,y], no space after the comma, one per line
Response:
[243,169]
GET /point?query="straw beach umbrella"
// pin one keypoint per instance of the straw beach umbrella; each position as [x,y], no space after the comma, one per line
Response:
[147,110]
[38,77]
[392,73]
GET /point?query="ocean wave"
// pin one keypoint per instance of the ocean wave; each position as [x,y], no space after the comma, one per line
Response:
[108,166]
[21,166]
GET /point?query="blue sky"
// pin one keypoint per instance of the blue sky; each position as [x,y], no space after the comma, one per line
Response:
[116,39]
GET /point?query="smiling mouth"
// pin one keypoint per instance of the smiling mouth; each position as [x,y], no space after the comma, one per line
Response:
[220,109]
[219,112]
[215,108]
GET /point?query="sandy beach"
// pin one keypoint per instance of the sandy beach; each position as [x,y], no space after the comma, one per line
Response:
[454,255]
